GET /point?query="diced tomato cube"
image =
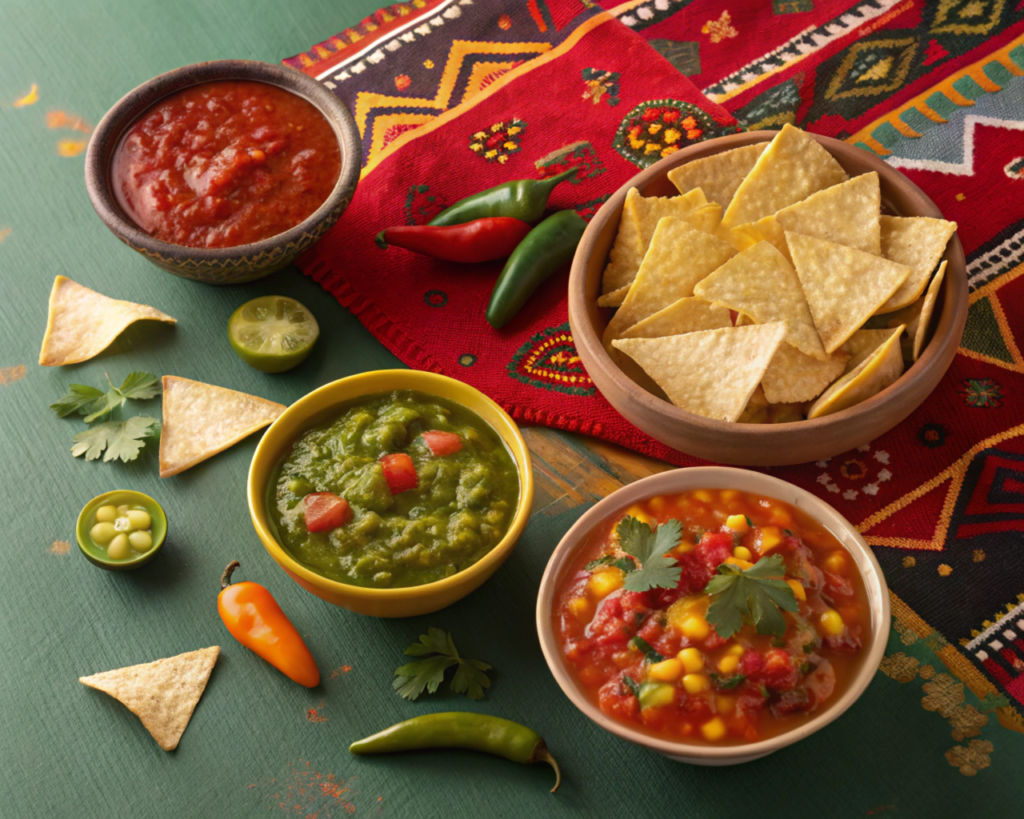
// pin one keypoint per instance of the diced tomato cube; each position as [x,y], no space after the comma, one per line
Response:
[442,443]
[326,511]
[715,547]
[399,472]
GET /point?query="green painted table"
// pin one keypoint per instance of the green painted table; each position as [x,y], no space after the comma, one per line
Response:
[258,744]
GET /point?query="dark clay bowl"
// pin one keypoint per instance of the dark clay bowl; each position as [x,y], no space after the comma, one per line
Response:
[227,265]
[763,444]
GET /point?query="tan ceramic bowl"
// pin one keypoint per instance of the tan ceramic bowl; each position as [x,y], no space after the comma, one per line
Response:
[714,477]
[762,444]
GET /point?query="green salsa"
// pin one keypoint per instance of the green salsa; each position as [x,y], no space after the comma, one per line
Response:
[460,509]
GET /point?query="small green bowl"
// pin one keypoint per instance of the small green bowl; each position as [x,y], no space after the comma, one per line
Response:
[97,556]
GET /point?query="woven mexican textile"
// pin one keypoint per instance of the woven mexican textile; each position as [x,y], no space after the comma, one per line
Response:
[935,88]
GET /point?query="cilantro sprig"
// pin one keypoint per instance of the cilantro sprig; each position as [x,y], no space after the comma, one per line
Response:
[438,654]
[647,547]
[756,595]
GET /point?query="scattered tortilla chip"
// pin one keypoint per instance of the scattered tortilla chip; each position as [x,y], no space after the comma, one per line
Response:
[200,420]
[162,694]
[719,175]
[711,373]
[678,258]
[843,286]
[863,343]
[868,378]
[649,210]
[918,242]
[792,168]
[793,377]
[761,284]
[918,316]
[626,253]
[83,323]
[615,298]
[687,315]
[846,214]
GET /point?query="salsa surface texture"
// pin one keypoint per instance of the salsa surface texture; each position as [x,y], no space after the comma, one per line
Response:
[651,659]
[460,508]
[225,163]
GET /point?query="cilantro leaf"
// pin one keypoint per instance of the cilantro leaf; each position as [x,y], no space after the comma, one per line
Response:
[140,386]
[753,595]
[632,685]
[647,547]
[438,651]
[727,683]
[115,440]
[650,653]
[624,564]
[80,398]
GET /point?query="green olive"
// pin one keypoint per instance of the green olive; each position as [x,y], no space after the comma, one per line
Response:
[141,541]
[102,533]
[119,548]
[139,519]
[106,514]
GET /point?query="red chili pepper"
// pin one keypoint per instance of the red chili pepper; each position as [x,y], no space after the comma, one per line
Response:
[325,511]
[442,443]
[482,240]
[399,472]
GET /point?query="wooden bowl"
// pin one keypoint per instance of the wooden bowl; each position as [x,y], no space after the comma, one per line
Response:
[762,444]
[223,265]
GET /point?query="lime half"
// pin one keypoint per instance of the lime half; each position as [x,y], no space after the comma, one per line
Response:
[272,333]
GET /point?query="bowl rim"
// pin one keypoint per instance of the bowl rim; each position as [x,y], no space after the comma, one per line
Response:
[950,321]
[91,505]
[713,477]
[296,419]
[126,111]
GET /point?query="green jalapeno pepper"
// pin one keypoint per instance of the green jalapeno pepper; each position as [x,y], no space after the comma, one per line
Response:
[547,248]
[523,199]
[458,729]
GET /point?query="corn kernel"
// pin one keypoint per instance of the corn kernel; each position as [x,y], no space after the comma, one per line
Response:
[679,611]
[836,563]
[657,503]
[695,627]
[703,496]
[713,730]
[735,561]
[656,695]
[832,622]
[684,547]
[742,553]
[738,523]
[771,536]
[725,705]
[735,650]
[728,664]
[581,609]
[603,583]
[667,671]
[782,517]
[637,512]
[798,589]
[695,683]
[691,660]
[730,495]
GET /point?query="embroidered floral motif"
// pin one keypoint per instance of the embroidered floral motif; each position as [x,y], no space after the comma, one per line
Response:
[657,128]
[590,207]
[598,83]
[579,155]
[857,475]
[467,359]
[984,393]
[499,142]
[504,22]
[402,81]
[720,29]
[435,298]
[932,435]
[549,360]
[421,206]
[1015,168]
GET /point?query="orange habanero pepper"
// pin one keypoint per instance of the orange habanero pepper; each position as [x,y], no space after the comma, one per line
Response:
[254,618]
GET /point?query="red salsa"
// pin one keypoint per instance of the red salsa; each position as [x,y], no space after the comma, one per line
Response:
[225,163]
[656,659]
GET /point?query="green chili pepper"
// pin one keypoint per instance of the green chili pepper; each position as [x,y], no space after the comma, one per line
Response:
[547,248]
[521,199]
[458,729]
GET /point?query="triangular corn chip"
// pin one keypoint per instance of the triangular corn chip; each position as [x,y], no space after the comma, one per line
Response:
[918,242]
[918,316]
[719,175]
[711,373]
[764,230]
[761,284]
[684,316]
[793,377]
[863,343]
[200,420]
[626,253]
[846,214]
[868,378]
[792,168]
[613,299]
[678,258]
[83,323]
[162,694]
[706,218]
[649,210]
[843,286]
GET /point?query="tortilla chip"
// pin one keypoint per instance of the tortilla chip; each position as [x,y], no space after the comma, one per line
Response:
[711,373]
[756,411]
[687,315]
[792,168]
[843,286]
[83,323]
[200,420]
[846,214]
[765,230]
[719,175]
[761,284]
[918,242]
[918,316]
[615,298]
[626,253]
[870,377]
[162,694]
[862,344]
[706,218]
[678,258]
[649,210]
[793,377]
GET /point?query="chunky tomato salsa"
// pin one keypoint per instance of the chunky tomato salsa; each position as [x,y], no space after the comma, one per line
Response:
[225,163]
[713,617]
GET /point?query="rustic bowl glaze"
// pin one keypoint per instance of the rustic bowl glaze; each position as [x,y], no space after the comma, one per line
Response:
[762,444]
[227,265]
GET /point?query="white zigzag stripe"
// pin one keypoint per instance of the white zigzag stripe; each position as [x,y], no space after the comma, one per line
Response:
[966,166]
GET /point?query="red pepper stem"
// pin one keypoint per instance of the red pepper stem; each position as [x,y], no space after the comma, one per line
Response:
[225,579]
[380,241]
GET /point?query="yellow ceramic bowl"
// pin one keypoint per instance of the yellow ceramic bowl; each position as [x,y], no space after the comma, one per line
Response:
[408,601]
